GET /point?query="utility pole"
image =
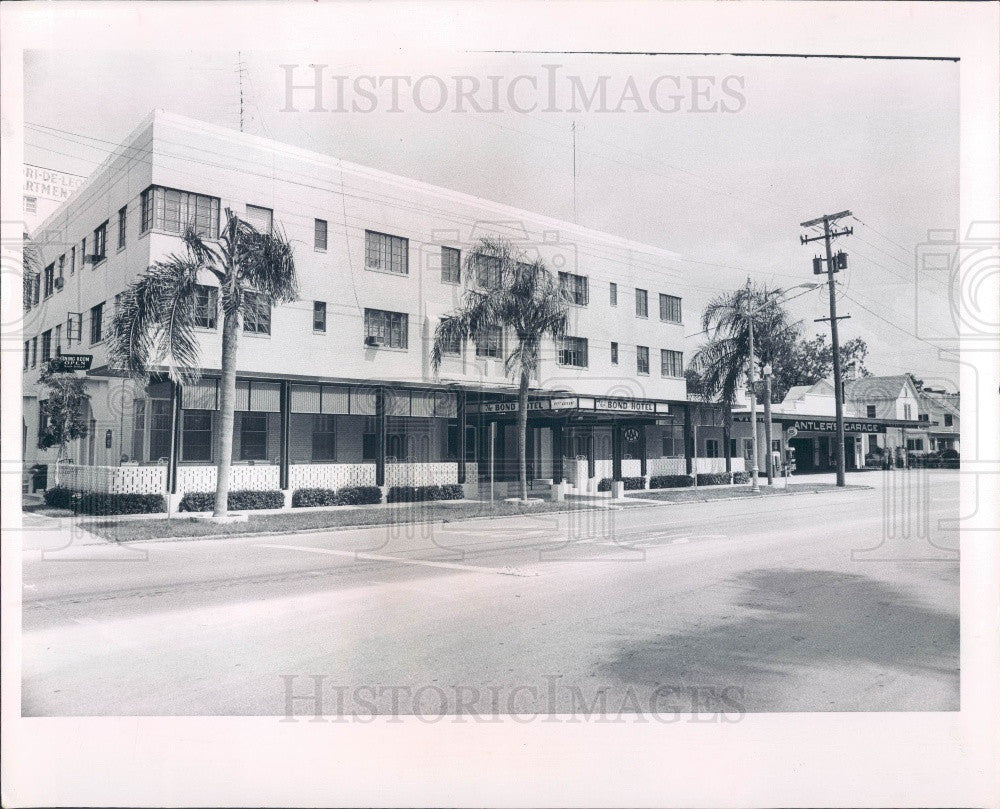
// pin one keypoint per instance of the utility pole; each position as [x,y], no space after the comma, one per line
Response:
[767,424]
[831,267]
[753,398]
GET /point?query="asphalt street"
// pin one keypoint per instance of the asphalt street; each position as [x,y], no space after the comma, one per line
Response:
[838,601]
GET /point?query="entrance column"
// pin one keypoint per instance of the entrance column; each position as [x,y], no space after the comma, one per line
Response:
[462,438]
[557,452]
[642,450]
[380,436]
[286,421]
[591,465]
[616,451]
[688,440]
[176,394]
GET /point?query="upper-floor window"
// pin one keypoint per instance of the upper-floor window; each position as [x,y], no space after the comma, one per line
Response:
[670,308]
[451,265]
[671,363]
[206,306]
[319,316]
[573,351]
[36,288]
[62,270]
[387,328]
[614,294]
[261,219]
[387,253]
[614,353]
[27,354]
[949,420]
[96,323]
[907,412]
[57,340]
[641,303]
[84,258]
[121,226]
[100,242]
[489,343]
[453,345]
[72,260]
[47,345]
[257,318]
[175,211]
[34,351]
[575,288]
[50,276]
[487,271]
[870,410]
[642,359]
[74,327]
[319,234]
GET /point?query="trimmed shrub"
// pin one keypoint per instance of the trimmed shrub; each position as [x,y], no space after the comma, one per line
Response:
[240,500]
[713,478]
[104,504]
[59,497]
[741,477]
[303,498]
[418,494]
[359,496]
[631,484]
[670,481]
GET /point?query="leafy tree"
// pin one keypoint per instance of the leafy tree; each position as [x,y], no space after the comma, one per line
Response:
[722,364]
[65,410]
[804,362]
[155,322]
[505,292]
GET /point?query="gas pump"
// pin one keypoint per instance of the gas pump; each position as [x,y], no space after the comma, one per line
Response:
[789,465]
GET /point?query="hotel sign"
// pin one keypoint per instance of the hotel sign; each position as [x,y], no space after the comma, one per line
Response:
[71,362]
[584,404]
[625,405]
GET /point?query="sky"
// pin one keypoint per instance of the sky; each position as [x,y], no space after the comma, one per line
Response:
[720,168]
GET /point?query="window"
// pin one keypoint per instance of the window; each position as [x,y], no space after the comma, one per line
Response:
[641,303]
[206,306]
[324,443]
[642,359]
[34,351]
[711,448]
[489,343]
[451,265]
[253,436]
[62,267]
[57,340]
[138,429]
[614,353]
[96,318]
[453,345]
[100,242]
[386,253]
[387,328]
[671,363]
[37,288]
[159,429]
[575,288]
[27,354]
[257,317]
[72,260]
[49,275]
[614,294]
[121,226]
[870,411]
[196,439]
[31,204]
[175,211]
[923,417]
[83,252]
[74,326]
[261,219]
[732,448]
[573,351]
[319,316]
[907,412]
[915,444]
[319,234]
[369,447]
[487,271]
[667,450]
[670,308]
[949,420]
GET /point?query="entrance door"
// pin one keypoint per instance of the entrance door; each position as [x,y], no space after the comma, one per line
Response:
[803,454]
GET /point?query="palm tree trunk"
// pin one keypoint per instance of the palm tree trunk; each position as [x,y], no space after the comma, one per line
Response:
[727,432]
[227,414]
[522,434]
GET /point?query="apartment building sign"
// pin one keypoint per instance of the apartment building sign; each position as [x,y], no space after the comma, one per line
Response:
[45,183]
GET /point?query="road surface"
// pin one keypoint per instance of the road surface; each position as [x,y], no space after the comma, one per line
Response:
[839,601]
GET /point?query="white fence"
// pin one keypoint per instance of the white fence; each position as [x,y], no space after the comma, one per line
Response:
[112,479]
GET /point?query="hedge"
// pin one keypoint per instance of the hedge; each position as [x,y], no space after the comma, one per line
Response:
[713,479]
[741,477]
[240,500]
[59,497]
[416,494]
[631,484]
[104,504]
[348,496]
[670,481]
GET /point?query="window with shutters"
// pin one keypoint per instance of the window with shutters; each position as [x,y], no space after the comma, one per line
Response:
[386,253]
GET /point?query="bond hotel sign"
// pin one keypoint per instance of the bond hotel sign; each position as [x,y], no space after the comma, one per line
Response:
[582,404]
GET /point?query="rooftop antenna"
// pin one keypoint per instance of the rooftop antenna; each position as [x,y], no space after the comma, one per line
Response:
[239,69]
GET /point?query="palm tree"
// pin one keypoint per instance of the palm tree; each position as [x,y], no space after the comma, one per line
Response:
[506,292]
[31,267]
[155,321]
[723,362]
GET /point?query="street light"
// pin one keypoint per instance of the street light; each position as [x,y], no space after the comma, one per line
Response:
[773,297]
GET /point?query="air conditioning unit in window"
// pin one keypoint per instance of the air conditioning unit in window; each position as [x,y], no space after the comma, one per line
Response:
[373,266]
[373,341]
[59,283]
